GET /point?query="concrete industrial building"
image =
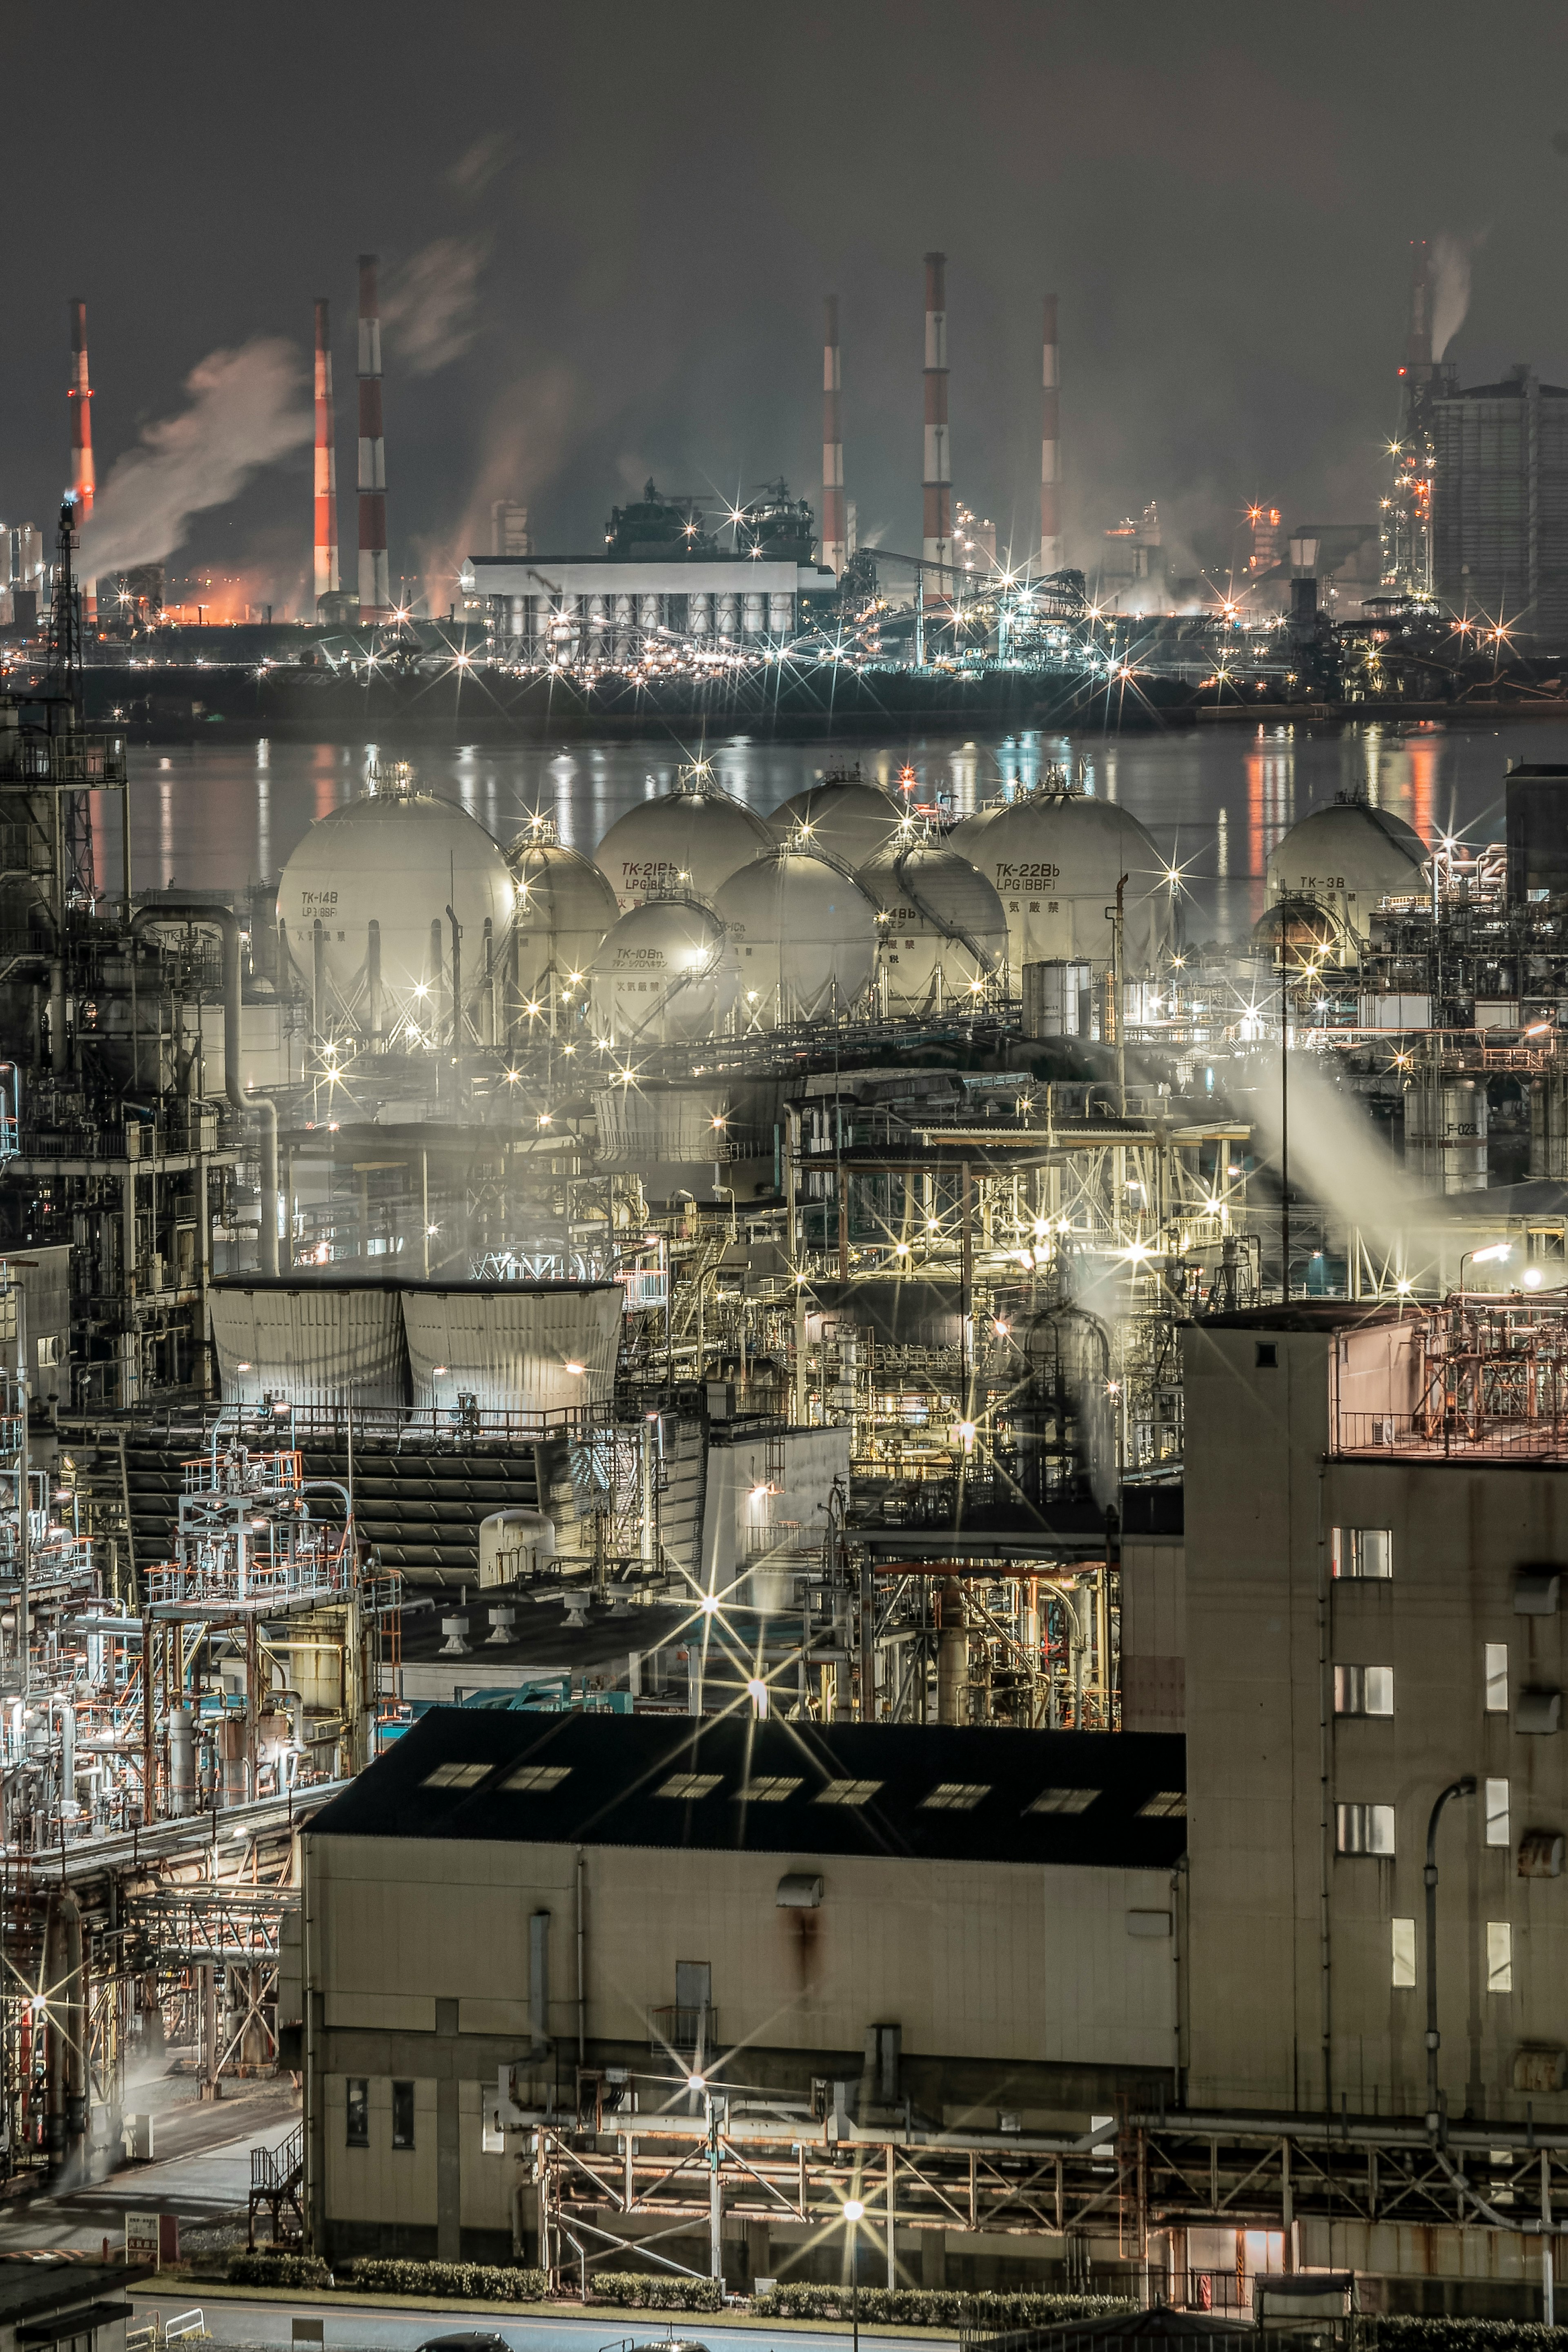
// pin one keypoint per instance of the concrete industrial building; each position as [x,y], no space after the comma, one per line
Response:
[545,608]
[1500,505]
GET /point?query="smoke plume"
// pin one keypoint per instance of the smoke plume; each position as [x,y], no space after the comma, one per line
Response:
[1451,258]
[246,408]
[432,308]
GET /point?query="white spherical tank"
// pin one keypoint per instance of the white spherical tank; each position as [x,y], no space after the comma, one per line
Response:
[1347,855]
[691,839]
[666,974]
[843,816]
[1055,859]
[564,906]
[805,938]
[943,933]
[378,877]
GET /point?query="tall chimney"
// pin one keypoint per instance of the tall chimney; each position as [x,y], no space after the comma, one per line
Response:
[937,545]
[1051,554]
[834,540]
[327,581]
[1418,349]
[374,586]
[82,483]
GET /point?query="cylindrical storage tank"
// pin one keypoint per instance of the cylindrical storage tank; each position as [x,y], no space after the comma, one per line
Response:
[1055,859]
[688,840]
[842,817]
[1349,857]
[564,906]
[1059,1000]
[805,934]
[666,974]
[398,858]
[943,934]
[1445,1134]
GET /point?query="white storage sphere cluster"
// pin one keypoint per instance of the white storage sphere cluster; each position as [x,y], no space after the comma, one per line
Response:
[665,975]
[688,840]
[1055,859]
[804,932]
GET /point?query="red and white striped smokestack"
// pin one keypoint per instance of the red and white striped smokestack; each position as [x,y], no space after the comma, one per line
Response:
[1051,554]
[327,580]
[937,545]
[79,395]
[374,585]
[835,538]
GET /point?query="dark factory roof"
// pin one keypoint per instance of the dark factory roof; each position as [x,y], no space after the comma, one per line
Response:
[773,1787]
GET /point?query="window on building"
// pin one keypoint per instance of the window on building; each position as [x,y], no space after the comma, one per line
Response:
[689,1784]
[769,1788]
[1364,1829]
[358,2112]
[1497,1833]
[402,2115]
[454,1776]
[536,1780]
[1499,1956]
[847,1793]
[955,1796]
[1363,1690]
[1267,1360]
[1361,1551]
[1165,1804]
[1402,1940]
[1497,1677]
[1062,1801]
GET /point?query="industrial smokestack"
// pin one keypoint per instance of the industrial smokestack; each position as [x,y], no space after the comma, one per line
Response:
[937,547]
[1051,552]
[327,581]
[1418,349]
[374,583]
[834,540]
[82,482]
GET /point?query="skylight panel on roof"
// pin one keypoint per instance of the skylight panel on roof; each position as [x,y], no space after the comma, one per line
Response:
[536,1780]
[847,1793]
[1165,1804]
[769,1789]
[954,1796]
[1062,1801]
[689,1784]
[454,1776]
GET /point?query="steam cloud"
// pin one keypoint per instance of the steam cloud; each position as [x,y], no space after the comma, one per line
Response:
[432,309]
[1338,1159]
[246,408]
[1450,286]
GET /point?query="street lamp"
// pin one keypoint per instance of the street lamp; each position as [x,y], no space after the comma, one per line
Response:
[1464,1787]
[854,2210]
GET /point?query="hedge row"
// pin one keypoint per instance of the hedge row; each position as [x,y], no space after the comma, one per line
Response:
[656,2291]
[264,2268]
[1409,2332]
[485,2282]
[934,2306]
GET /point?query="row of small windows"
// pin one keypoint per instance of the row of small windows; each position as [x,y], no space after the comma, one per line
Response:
[1368,1552]
[1369,1691]
[357,2112]
[1499,1948]
[1369,1829]
[948,1796]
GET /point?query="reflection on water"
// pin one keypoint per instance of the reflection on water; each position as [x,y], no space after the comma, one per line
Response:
[1216,798]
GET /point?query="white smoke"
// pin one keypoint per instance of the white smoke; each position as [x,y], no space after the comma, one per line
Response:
[1451,258]
[478,165]
[432,307]
[1337,1157]
[246,408]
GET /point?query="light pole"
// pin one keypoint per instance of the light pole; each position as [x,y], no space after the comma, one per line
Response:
[854,2210]
[1463,1787]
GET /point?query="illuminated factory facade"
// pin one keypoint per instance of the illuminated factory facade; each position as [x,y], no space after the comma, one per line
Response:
[598,608]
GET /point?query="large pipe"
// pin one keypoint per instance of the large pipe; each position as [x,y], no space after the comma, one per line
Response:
[326,461]
[952,1655]
[374,587]
[937,545]
[83,481]
[223,920]
[835,538]
[1051,555]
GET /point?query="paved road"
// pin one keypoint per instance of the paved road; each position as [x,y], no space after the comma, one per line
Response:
[264,2328]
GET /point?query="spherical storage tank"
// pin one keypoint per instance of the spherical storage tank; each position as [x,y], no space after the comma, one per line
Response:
[665,975]
[377,874]
[943,926]
[843,816]
[690,840]
[564,906]
[1347,855]
[1055,859]
[804,932]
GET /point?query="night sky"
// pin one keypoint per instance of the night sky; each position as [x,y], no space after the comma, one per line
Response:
[612,226]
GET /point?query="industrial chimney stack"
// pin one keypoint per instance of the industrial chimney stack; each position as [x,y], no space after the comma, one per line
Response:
[82,483]
[834,540]
[1418,349]
[374,585]
[937,545]
[1051,552]
[327,580]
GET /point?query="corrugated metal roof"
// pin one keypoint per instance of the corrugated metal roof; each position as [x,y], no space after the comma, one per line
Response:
[1032,1797]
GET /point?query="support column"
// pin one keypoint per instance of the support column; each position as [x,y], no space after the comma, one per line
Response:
[449,2170]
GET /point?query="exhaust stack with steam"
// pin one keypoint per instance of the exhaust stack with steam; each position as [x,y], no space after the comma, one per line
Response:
[1051,557]
[834,541]
[937,547]
[327,581]
[82,483]
[374,585]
